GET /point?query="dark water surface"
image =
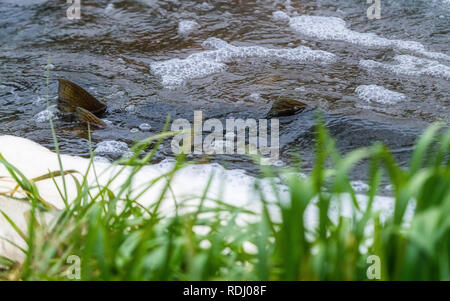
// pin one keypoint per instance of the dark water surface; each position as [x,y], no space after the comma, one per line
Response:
[109,51]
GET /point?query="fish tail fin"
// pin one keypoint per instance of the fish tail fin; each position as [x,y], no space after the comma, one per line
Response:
[86,116]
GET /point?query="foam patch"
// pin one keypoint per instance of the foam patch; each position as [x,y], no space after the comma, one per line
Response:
[335,29]
[111,148]
[280,16]
[378,94]
[186,27]
[175,72]
[45,115]
[410,66]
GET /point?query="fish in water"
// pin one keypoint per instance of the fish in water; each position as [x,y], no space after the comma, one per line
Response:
[285,107]
[74,99]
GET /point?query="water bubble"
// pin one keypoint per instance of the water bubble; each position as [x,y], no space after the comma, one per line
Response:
[280,16]
[145,127]
[109,7]
[50,66]
[186,27]
[175,72]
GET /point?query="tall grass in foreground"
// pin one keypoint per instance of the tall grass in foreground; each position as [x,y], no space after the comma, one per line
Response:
[118,239]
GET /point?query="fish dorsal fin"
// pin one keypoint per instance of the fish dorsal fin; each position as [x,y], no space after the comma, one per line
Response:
[73,96]
[285,107]
[88,117]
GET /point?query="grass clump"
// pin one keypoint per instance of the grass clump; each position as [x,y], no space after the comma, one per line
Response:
[116,238]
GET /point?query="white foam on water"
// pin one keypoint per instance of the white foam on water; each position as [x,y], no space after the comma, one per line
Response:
[145,127]
[410,66]
[24,2]
[445,4]
[175,72]
[280,16]
[359,186]
[38,101]
[131,108]
[107,122]
[333,28]
[111,148]
[186,27]
[378,94]
[109,7]
[49,66]
[45,115]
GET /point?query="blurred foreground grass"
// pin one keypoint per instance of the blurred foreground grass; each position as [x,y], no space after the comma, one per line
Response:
[118,239]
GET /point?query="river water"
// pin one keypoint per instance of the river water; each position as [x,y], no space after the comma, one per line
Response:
[374,80]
